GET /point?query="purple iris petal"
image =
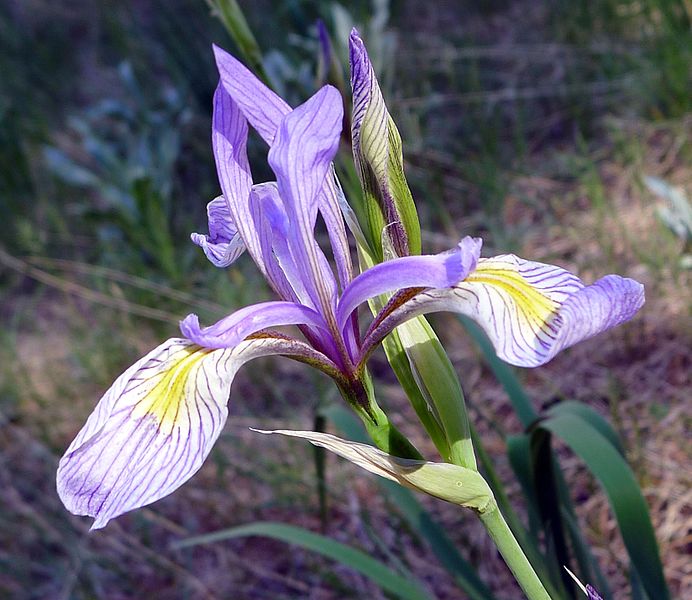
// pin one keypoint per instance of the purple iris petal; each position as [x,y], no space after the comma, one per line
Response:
[229,139]
[271,222]
[529,310]
[265,110]
[234,328]
[331,213]
[608,302]
[305,145]
[144,439]
[261,107]
[434,271]
[154,427]
[223,245]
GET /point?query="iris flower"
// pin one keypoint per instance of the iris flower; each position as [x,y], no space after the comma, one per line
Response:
[153,429]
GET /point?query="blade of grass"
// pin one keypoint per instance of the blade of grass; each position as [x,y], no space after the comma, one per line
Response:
[388,580]
[233,19]
[70,287]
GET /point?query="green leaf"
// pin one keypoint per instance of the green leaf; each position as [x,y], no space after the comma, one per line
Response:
[626,500]
[530,456]
[417,517]
[388,580]
[519,454]
[583,411]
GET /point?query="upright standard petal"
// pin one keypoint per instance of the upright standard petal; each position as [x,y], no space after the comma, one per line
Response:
[229,139]
[305,145]
[529,310]
[261,107]
[223,245]
[427,271]
[150,432]
[264,110]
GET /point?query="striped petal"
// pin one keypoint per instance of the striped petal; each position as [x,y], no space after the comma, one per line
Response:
[264,110]
[260,106]
[301,156]
[529,310]
[229,140]
[153,429]
[223,245]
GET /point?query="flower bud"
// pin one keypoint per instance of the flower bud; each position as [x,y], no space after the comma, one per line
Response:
[388,205]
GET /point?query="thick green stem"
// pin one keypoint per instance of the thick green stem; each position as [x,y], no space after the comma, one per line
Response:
[438,381]
[512,553]
[361,396]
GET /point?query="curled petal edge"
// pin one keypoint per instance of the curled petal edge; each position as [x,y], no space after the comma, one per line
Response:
[224,245]
[237,326]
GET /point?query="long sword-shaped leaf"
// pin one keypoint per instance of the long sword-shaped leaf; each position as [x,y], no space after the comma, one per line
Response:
[588,414]
[383,576]
[626,500]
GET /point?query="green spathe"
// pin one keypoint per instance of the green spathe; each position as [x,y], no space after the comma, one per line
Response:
[452,483]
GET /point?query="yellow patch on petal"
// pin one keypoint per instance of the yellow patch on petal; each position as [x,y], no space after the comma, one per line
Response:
[532,303]
[167,388]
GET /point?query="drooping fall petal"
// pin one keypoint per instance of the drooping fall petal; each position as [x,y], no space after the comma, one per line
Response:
[154,427]
[150,432]
[529,310]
